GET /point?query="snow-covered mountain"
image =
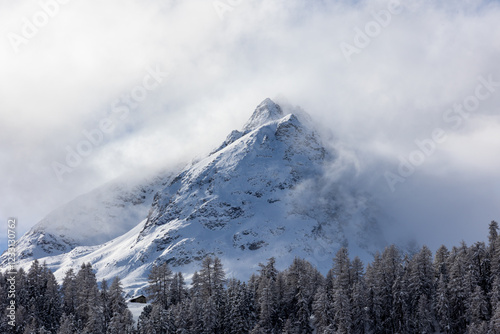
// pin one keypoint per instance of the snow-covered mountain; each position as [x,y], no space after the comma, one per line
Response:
[93,218]
[262,193]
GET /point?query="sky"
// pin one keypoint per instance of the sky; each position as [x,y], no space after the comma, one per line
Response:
[407,92]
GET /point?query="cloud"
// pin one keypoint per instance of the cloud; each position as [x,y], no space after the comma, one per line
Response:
[395,90]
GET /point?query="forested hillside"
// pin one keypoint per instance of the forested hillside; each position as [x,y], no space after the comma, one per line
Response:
[455,290]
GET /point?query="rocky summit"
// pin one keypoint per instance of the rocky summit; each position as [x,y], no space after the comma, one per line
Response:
[262,193]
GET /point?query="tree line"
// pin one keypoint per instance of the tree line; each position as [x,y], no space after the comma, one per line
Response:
[78,305]
[454,290]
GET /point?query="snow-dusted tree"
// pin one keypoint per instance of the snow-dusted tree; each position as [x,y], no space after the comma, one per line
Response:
[51,302]
[35,287]
[4,302]
[237,311]
[342,292]
[357,271]
[267,302]
[180,312]
[211,320]
[121,320]
[212,276]
[22,301]
[494,294]
[478,312]
[195,307]
[359,305]
[494,250]
[88,311]
[458,289]
[69,293]
[144,323]
[478,328]
[105,303]
[158,320]
[380,278]
[479,267]
[212,279]
[67,325]
[323,308]
[420,281]
[177,291]
[196,315]
[301,281]
[492,237]
[159,281]
[43,298]
[95,322]
[401,299]
[267,299]
[424,318]
[441,262]
[31,327]
[494,327]
[442,304]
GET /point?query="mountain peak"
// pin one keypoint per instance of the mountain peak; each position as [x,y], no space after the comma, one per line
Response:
[267,111]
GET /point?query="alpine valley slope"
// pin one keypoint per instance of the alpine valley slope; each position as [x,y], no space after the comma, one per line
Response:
[261,194]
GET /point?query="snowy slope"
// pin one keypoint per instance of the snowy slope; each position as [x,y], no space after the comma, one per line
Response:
[91,219]
[260,194]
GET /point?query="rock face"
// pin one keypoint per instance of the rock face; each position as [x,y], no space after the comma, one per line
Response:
[261,194]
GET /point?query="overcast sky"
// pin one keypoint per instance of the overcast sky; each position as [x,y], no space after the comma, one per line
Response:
[377,77]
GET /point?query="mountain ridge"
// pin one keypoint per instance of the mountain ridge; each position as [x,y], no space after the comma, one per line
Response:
[248,200]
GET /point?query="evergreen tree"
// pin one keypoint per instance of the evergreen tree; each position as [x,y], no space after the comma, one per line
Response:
[494,294]
[88,312]
[478,328]
[237,312]
[479,267]
[159,281]
[4,303]
[51,302]
[380,279]
[494,327]
[301,281]
[493,236]
[420,280]
[212,279]
[144,322]
[35,289]
[424,317]
[458,289]
[104,300]
[267,299]
[43,299]
[67,325]
[181,316]
[341,292]
[195,307]
[177,289]
[440,262]
[323,309]
[478,308]
[357,271]
[442,300]
[358,311]
[23,316]
[69,293]
[121,320]
[401,300]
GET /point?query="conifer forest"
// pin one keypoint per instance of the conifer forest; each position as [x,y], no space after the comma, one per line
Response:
[453,290]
